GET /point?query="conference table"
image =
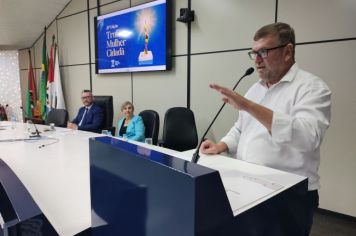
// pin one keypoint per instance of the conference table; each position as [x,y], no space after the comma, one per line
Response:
[56,176]
[55,170]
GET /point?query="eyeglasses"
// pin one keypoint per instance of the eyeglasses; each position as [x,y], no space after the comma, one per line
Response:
[263,52]
[85,97]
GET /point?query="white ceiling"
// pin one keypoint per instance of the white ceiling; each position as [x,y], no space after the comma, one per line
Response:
[23,21]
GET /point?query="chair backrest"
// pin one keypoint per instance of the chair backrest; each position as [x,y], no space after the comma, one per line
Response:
[179,129]
[151,121]
[57,116]
[106,103]
[3,115]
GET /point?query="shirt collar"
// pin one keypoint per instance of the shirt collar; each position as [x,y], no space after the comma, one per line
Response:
[88,107]
[288,77]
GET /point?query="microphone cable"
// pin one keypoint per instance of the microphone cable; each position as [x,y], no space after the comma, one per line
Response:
[55,140]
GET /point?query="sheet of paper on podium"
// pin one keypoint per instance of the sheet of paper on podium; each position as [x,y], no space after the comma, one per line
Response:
[243,189]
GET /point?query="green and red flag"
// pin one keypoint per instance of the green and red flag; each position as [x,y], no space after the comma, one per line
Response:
[43,82]
[31,90]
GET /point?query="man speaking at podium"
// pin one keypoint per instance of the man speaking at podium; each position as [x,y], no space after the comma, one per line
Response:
[90,117]
[283,117]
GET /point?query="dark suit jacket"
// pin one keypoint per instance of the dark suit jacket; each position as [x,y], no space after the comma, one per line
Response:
[93,120]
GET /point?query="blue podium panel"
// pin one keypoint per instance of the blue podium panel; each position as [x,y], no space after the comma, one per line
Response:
[139,191]
[19,214]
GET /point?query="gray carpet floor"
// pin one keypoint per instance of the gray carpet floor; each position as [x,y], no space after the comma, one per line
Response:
[327,223]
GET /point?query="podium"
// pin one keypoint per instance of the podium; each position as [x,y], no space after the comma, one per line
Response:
[139,191]
[19,214]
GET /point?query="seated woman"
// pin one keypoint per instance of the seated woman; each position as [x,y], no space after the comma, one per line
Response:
[130,125]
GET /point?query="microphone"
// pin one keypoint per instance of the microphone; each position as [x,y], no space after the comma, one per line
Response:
[37,134]
[196,156]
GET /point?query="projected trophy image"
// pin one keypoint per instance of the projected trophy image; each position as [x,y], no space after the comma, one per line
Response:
[134,39]
[145,23]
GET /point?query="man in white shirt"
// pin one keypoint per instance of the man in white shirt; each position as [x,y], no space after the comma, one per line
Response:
[283,117]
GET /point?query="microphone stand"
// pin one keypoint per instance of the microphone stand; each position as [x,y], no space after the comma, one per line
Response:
[37,135]
[196,155]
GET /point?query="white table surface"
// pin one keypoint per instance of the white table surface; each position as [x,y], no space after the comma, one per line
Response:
[57,175]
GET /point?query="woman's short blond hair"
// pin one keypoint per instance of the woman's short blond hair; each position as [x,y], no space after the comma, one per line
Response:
[127,103]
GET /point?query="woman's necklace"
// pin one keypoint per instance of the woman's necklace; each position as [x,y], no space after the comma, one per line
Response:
[127,121]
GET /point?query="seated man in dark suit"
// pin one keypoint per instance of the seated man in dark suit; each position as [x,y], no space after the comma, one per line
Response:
[90,117]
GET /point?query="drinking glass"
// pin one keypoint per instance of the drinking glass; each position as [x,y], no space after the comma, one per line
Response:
[148,141]
[29,125]
[13,122]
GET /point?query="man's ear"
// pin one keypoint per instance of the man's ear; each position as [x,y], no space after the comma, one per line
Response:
[289,52]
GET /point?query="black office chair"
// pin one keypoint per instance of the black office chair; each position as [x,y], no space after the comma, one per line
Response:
[151,121]
[57,116]
[106,103]
[179,129]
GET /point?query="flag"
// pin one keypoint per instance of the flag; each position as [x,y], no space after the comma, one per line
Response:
[31,90]
[37,110]
[55,97]
[43,82]
[50,81]
[59,98]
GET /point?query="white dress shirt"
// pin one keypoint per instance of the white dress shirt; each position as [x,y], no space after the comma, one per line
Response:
[301,105]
